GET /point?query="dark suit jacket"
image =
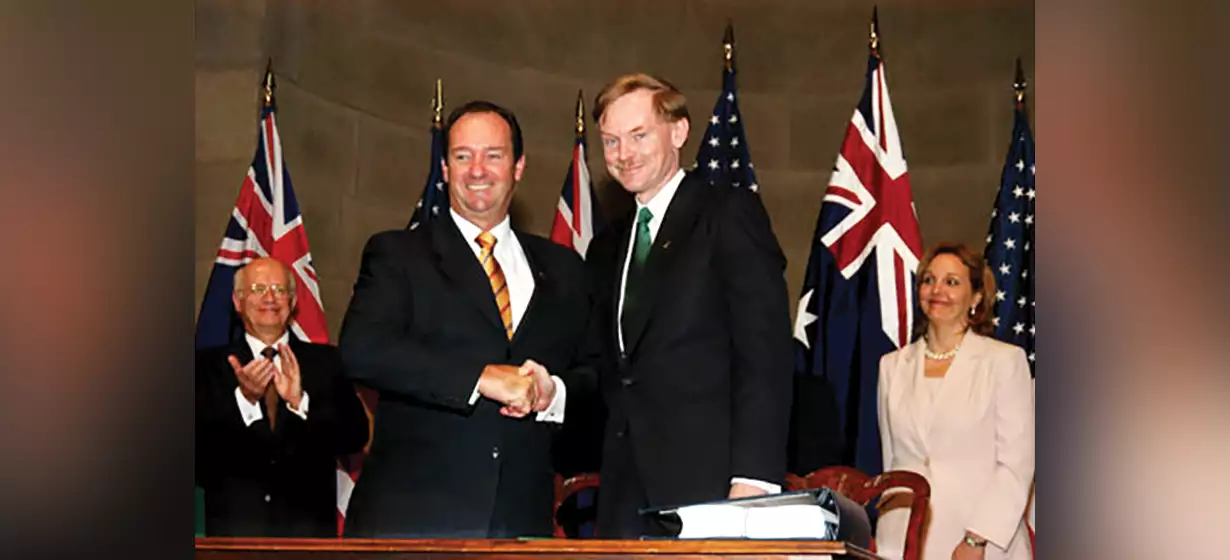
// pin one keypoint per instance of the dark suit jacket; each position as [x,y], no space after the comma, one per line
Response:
[261,483]
[421,326]
[701,393]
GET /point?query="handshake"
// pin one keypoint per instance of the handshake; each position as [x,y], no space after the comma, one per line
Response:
[520,389]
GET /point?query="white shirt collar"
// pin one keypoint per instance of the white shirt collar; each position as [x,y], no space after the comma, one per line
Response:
[502,231]
[662,200]
[257,345]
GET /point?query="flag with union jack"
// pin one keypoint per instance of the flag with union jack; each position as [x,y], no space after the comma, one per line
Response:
[265,222]
[859,296]
[577,448]
[724,157]
[576,216]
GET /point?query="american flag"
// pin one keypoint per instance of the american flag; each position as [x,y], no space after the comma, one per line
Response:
[264,223]
[434,199]
[576,216]
[432,202]
[859,293]
[1010,242]
[723,157]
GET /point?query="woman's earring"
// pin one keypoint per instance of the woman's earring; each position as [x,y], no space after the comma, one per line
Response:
[971,311]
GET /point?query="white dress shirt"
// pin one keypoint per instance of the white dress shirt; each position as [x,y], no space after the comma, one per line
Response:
[251,411]
[657,207]
[520,279]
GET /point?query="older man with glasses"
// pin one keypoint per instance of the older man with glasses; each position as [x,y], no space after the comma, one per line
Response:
[272,415]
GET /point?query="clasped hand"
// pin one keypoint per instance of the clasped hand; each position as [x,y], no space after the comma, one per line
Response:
[254,377]
[524,389]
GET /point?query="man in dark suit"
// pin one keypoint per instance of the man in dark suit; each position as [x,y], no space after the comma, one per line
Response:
[273,413]
[699,393]
[459,324]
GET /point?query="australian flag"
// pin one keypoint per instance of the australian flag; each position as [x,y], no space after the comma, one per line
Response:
[1010,241]
[859,295]
[434,199]
[577,448]
[723,157]
[576,216]
[264,223]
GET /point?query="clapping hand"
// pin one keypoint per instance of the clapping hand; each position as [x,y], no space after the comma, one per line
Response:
[254,377]
[288,382]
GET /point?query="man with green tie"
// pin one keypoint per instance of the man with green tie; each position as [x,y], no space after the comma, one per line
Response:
[699,358]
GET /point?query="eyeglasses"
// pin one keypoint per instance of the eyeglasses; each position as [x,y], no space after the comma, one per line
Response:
[260,289]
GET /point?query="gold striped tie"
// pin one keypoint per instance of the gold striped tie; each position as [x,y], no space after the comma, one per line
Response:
[495,275]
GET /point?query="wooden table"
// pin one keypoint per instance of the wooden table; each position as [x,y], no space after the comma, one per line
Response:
[216,548]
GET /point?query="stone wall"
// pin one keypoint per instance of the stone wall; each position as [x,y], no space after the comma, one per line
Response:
[356,79]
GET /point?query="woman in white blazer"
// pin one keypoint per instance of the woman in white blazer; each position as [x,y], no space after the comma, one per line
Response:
[957,407]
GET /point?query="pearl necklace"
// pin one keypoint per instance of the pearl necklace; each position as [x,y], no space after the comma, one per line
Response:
[940,356]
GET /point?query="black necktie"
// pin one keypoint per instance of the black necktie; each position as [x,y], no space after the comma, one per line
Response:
[271,392]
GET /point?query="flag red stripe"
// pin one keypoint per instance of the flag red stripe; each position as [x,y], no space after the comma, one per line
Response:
[576,188]
[841,192]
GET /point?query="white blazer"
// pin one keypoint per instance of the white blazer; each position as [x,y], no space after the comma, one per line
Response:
[974,444]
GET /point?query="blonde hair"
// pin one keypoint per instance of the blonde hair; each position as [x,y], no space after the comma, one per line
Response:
[670,104]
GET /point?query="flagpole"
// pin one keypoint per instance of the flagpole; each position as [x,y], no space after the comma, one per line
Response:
[1019,84]
[269,83]
[874,41]
[580,128]
[728,46]
[437,105]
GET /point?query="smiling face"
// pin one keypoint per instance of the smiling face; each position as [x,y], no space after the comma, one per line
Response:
[641,148]
[946,292]
[480,168]
[267,308]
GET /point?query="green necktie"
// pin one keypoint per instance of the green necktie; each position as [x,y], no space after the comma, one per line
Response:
[640,254]
[640,251]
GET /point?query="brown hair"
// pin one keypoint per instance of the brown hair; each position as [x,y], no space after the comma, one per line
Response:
[982,281]
[669,102]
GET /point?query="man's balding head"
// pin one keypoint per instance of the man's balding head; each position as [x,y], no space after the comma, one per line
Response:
[264,297]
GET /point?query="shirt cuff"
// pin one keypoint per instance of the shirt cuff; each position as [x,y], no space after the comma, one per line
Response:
[555,411]
[474,395]
[249,411]
[303,407]
[766,486]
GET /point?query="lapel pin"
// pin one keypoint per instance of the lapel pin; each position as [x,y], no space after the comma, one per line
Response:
[666,244]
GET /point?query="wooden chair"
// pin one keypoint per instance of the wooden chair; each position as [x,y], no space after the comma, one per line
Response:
[566,488]
[857,486]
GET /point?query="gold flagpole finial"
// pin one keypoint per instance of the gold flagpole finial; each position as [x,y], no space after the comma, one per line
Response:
[875,31]
[580,113]
[437,105]
[269,83]
[728,45]
[1019,84]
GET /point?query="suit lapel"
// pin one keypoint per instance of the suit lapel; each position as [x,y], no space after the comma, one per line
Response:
[680,217]
[458,264]
[622,229]
[912,396]
[242,352]
[542,287]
